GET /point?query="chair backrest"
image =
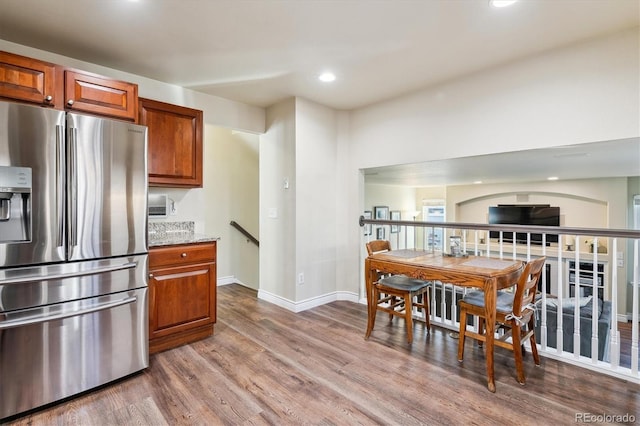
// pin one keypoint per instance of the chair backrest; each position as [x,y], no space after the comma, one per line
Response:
[377,246]
[527,285]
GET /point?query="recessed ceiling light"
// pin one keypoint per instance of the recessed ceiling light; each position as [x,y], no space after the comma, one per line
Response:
[552,178]
[501,3]
[327,77]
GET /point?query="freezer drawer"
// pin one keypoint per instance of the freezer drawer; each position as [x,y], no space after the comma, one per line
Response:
[26,287]
[52,352]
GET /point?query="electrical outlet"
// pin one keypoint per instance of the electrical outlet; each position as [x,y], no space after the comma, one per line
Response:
[620,259]
[300,278]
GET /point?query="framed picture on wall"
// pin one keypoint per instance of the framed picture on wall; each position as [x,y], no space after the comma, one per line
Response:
[395,215]
[367,226]
[381,212]
[380,233]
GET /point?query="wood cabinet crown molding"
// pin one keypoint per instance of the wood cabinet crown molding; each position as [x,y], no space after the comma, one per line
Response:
[175,143]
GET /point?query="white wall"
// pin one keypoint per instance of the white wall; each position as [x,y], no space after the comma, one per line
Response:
[302,146]
[316,203]
[278,234]
[583,203]
[241,176]
[584,93]
[231,185]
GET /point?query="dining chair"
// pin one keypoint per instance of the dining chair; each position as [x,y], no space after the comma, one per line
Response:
[397,295]
[515,314]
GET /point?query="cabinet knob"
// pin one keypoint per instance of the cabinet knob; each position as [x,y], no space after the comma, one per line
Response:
[150,275]
[48,98]
[183,255]
[70,102]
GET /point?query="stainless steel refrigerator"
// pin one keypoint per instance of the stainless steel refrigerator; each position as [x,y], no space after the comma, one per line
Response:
[73,254]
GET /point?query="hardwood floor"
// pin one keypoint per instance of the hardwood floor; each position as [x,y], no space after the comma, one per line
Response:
[266,365]
[625,346]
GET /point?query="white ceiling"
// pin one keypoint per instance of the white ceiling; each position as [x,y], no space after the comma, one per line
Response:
[262,51]
[619,158]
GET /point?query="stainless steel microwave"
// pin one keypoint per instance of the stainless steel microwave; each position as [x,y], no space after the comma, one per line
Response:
[158,206]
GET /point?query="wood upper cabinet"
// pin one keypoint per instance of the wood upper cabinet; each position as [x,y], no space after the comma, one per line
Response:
[95,94]
[175,144]
[30,80]
[182,294]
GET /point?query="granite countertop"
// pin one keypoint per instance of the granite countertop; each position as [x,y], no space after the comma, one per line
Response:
[172,233]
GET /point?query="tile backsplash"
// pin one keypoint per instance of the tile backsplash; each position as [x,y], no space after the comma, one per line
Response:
[161,229]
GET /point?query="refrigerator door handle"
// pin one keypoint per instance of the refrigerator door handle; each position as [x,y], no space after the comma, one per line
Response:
[63,275]
[59,184]
[73,166]
[44,317]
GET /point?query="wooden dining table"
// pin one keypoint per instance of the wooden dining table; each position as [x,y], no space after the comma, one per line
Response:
[486,273]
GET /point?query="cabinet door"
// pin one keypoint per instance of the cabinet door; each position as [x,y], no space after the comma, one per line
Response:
[175,144]
[27,79]
[98,95]
[181,298]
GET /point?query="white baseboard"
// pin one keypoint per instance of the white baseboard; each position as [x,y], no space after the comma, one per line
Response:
[290,305]
[312,302]
[626,318]
[227,280]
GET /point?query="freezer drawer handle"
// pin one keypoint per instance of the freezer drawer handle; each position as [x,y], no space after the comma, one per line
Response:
[53,317]
[47,277]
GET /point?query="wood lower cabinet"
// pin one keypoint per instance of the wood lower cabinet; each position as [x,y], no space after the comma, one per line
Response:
[175,144]
[31,80]
[182,294]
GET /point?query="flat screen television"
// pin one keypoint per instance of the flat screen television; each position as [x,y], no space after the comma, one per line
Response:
[521,214]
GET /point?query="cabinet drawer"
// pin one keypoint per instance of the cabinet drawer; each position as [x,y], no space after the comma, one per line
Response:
[182,255]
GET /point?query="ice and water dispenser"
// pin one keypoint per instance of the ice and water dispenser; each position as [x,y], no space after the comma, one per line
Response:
[15,204]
